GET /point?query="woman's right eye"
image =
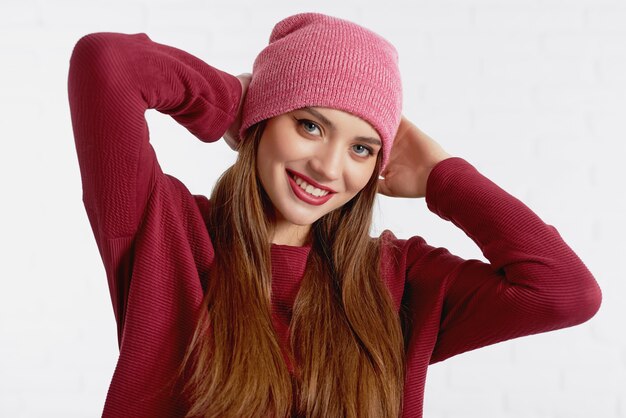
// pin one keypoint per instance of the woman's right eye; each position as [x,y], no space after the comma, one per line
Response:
[309,126]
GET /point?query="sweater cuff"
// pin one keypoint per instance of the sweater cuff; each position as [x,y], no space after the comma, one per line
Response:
[442,178]
[235,92]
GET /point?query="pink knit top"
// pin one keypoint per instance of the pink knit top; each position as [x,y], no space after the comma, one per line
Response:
[152,236]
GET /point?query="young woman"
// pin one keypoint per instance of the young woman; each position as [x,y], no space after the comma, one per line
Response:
[271,299]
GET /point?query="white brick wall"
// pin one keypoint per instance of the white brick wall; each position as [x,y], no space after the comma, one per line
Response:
[531,92]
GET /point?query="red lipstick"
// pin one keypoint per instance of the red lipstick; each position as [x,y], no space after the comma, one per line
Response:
[310,181]
[303,195]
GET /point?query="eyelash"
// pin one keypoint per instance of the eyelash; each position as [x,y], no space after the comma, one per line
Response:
[303,122]
[370,152]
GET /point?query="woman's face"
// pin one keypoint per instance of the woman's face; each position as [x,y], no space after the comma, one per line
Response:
[313,160]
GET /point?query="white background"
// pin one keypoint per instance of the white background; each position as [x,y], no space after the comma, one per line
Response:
[533,93]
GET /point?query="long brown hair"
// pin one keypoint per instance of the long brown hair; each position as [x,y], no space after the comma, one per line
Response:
[346,337]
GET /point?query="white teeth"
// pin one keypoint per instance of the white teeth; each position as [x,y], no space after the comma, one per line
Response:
[318,192]
[310,189]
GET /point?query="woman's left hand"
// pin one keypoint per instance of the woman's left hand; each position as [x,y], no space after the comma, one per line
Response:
[413,156]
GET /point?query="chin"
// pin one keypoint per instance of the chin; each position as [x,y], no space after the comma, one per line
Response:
[301,220]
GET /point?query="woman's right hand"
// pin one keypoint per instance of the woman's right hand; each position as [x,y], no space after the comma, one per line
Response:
[232,134]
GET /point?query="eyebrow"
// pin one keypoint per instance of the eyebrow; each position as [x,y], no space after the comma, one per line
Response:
[324,119]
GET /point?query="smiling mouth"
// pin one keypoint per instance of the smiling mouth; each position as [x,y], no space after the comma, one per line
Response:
[308,190]
[309,186]
[313,191]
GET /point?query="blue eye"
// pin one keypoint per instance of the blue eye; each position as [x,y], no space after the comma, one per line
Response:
[309,126]
[362,150]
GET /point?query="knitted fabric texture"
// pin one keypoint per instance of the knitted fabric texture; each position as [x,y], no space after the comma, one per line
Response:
[318,60]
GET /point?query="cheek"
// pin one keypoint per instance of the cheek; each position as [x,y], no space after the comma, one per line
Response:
[264,164]
[358,178]
[269,157]
[283,148]
[265,149]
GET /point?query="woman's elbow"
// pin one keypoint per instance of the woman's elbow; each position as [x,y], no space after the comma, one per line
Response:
[92,48]
[104,55]
[579,304]
[590,301]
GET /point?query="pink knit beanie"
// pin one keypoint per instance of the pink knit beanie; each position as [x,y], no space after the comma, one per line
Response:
[318,60]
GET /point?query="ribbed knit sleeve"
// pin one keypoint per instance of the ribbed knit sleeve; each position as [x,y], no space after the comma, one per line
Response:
[533,282]
[113,79]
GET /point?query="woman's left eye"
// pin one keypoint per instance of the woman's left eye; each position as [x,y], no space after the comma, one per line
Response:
[362,150]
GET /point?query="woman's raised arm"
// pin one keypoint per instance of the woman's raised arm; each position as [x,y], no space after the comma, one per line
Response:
[533,282]
[113,79]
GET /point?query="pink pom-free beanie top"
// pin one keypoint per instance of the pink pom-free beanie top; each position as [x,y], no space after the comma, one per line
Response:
[318,60]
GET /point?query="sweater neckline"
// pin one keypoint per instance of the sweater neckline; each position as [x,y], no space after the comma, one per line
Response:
[308,245]
[282,248]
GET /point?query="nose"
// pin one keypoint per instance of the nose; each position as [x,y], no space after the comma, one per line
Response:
[327,163]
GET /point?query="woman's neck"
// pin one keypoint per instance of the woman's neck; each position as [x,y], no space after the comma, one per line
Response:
[286,233]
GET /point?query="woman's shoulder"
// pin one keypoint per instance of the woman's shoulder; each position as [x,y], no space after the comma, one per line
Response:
[396,255]
[390,245]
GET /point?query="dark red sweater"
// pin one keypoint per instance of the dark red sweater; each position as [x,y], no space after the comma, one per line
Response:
[153,240]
